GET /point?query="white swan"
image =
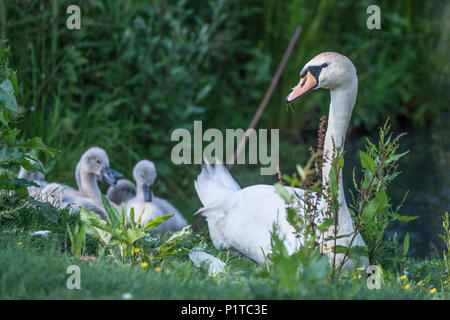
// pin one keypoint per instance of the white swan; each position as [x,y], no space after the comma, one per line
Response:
[243,218]
[144,173]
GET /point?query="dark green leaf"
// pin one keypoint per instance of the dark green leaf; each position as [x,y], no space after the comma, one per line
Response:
[7,97]
[366,161]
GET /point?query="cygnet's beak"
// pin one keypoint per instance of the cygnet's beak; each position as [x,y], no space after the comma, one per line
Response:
[307,83]
[147,192]
[117,174]
[109,175]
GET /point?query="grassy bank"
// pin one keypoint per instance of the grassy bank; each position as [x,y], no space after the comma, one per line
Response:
[34,267]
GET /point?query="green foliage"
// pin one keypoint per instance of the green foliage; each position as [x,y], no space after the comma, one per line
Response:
[36,269]
[76,237]
[318,228]
[14,151]
[306,267]
[446,238]
[135,71]
[115,234]
[372,208]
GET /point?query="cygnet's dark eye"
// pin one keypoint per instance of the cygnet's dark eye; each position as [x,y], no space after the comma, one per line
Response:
[98,161]
[324,65]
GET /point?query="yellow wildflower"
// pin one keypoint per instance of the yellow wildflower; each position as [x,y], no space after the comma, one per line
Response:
[406,287]
[445,282]
[354,277]
[433,290]
[137,250]
[403,277]
[327,248]
[19,243]
[144,265]
[359,276]
[214,275]
[157,269]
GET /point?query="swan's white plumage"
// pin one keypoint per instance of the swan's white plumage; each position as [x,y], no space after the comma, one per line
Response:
[243,219]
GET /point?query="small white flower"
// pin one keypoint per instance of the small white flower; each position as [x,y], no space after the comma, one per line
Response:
[152,239]
[43,233]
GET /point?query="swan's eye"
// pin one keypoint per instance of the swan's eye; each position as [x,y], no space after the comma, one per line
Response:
[324,65]
[98,161]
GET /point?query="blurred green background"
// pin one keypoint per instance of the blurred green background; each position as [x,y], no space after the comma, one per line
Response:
[138,69]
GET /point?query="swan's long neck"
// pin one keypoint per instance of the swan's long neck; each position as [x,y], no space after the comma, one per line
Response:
[140,192]
[341,107]
[88,185]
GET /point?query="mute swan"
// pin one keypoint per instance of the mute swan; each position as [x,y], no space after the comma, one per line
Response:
[144,173]
[121,192]
[53,193]
[243,218]
[93,166]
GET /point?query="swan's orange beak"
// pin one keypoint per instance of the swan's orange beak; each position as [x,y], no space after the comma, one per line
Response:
[306,83]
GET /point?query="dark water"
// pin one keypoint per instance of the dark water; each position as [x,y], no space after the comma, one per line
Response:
[426,174]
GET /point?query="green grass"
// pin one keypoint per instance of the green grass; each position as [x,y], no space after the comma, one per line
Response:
[36,269]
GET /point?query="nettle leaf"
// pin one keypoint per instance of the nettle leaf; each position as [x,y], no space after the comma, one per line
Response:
[326,224]
[333,181]
[339,249]
[17,183]
[281,190]
[111,212]
[374,207]
[4,116]
[358,251]
[301,171]
[7,97]
[401,218]
[341,162]
[14,82]
[355,251]
[156,222]
[291,216]
[33,143]
[10,156]
[406,245]
[132,235]
[366,161]
[31,166]
[396,157]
